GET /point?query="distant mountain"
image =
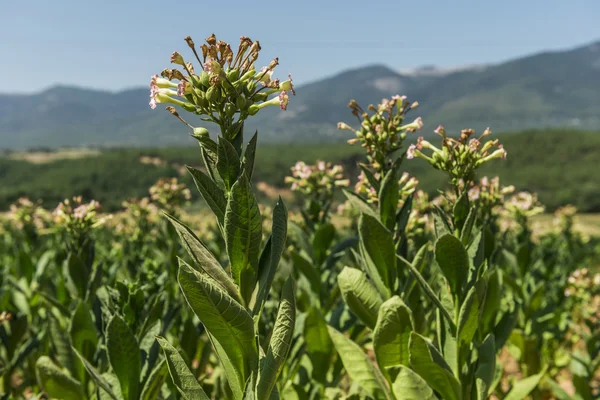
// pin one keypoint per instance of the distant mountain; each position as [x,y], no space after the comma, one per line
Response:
[547,89]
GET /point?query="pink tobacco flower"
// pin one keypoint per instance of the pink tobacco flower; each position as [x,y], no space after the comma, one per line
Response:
[284,99]
[410,153]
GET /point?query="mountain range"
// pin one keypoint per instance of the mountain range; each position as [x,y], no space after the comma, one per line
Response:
[548,89]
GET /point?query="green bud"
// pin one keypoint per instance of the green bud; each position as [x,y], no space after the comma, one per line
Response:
[188,107]
[199,132]
[253,109]
[233,74]
[260,97]
[205,79]
[214,94]
[251,86]
[240,102]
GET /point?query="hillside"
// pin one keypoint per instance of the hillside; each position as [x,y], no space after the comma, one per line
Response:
[538,91]
[554,163]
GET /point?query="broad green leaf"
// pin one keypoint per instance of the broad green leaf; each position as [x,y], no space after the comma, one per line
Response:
[204,258]
[55,382]
[184,380]
[97,377]
[228,162]
[155,381]
[224,318]
[453,260]
[428,363]
[486,367]
[207,144]
[124,356]
[460,211]
[468,320]
[360,295]
[280,343]
[429,292]
[440,223]
[521,389]
[360,369]
[243,234]
[62,345]
[322,239]
[271,255]
[308,269]
[250,155]
[359,204]
[318,344]
[392,334]
[211,193]
[379,251]
[77,275]
[234,379]
[389,196]
[410,386]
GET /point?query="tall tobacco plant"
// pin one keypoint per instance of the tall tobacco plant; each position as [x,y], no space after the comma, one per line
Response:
[228,300]
[460,363]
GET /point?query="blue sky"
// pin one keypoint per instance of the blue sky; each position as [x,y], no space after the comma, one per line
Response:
[119,44]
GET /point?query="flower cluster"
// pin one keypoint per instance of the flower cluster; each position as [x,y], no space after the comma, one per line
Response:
[226,84]
[140,209]
[382,132]
[318,180]
[27,214]
[523,205]
[459,158]
[488,194]
[406,184]
[77,217]
[564,217]
[170,195]
[584,288]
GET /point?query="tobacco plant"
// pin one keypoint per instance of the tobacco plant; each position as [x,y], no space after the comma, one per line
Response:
[229,300]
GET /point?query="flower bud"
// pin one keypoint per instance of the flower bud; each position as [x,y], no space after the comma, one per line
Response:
[213,94]
[233,74]
[240,102]
[205,79]
[200,132]
[176,58]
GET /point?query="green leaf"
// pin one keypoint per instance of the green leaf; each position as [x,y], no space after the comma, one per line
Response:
[318,344]
[97,377]
[83,334]
[124,356]
[389,196]
[428,363]
[403,214]
[453,260]
[155,381]
[271,255]
[211,193]
[468,320]
[486,367]
[392,334]
[359,204]
[410,386]
[466,232]
[360,369]
[62,344]
[308,269]
[204,258]
[379,252]
[77,275]
[225,319]
[243,234]
[280,343]
[429,292]
[524,387]
[460,211]
[370,177]
[322,239]
[228,162]
[250,155]
[56,383]
[360,295]
[183,379]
